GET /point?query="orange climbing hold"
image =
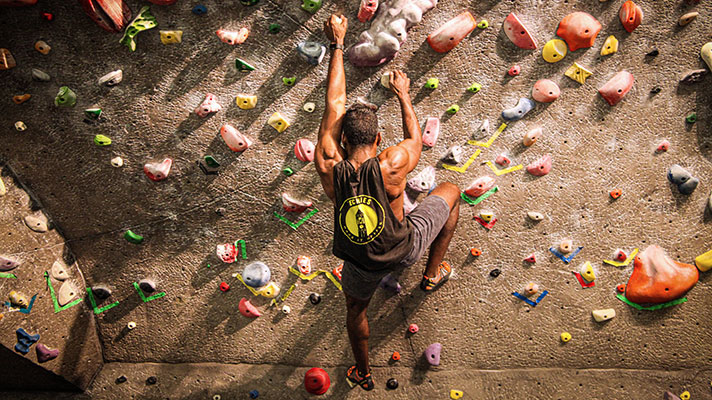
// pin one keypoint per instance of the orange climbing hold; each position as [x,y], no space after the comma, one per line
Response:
[621,288]
[475,252]
[396,356]
[616,193]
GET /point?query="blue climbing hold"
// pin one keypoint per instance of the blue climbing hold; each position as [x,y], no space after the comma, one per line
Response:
[200,9]
[24,341]
[256,274]
[254,394]
[519,111]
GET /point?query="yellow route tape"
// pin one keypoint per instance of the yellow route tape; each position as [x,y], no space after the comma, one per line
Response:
[491,140]
[499,172]
[465,166]
[625,263]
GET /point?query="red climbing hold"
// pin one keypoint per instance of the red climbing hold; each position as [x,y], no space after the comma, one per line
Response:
[515,70]
[316,381]
[579,30]
[631,15]
[531,258]
[224,286]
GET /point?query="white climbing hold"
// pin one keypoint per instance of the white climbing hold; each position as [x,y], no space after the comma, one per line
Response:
[37,224]
[158,171]
[566,246]
[535,216]
[59,271]
[113,78]
[66,293]
[424,180]
[117,162]
[309,107]
[483,130]
[291,204]
[603,315]
[209,105]
[532,136]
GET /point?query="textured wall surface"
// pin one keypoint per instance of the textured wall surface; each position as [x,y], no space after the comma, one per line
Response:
[595,147]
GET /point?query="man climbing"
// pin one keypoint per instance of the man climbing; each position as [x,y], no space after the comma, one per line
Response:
[371,233]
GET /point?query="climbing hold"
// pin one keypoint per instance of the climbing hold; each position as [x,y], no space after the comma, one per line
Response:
[535,216]
[486,215]
[475,252]
[685,182]
[454,154]
[483,24]
[92,114]
[620,255]
[531,289]
[309,107]
[693,76]
[655,90]
[432,83]
[579,30]
[121,379]
[19,99]
[209,165]
[603,315]
[147,285]
[390,284]
[37,224]
[270,291]
[59,271]
[20,126]
[247,309]
[158,171]
[274,28]
[387,32]
[25,340]
[278,122]
[227,252]
[3,190]
[663,146]
[246,101]
[432,353]
[248,3]
[45,354]
[502,160]
[450,34]
[235,140]
[171,37]
[687,18]
[532,136]
[540,167]
[587,272]
[620,288]
[514,70]
[610,46]
[456,394]
[706,54]
[131,325]
[423,181]
[479,186]
[617,87]
[291,204]
[545,91]
[658,279]
[554,50]
[615,193]
[518,33]
[101,140]
[256,274]
[431,131]
[474,88]
[133,237]
[66,293]
[42,47]
[685,395]
[289,81]
[254,394]
[413,328]
[101,292]
[392,384]
[18,299]
[7,61]
[531,258]
[199,9]
[495,272]
[385,80]
[304,150]
[312,52]
[367,10]
[243,66]
[151,380]
[113,78]
[578,73]
[519,111]
[40,75]
[286,309]
[209,105]
[233,37]
[691,118]
[566,246]
[565,337]
[142,22]
[311,6]
[453,109]
[47,16]
[316,381]
[117,162]
[314,298]
[65,97]
[631,15]
[703,261]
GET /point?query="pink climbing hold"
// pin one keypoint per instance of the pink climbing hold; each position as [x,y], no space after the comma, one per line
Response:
[7,264]
[480,186]
[235,140]
[515,70]
[304,150]
[432,131]
[518,33]
[663,146]
[617,87]
[247,309]
[579,30]
[304,264]
[158,171]
[233,37]
[209,105]
[291,204]
[449,35]
[541,166]
[545,91]
[502,160]
[408,204]
[432,353]
[531,258]
[413,328]
[367,10]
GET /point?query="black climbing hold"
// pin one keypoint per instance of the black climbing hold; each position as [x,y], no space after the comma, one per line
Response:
[220,211]
[121,379]
[653,53]
[147,285]
[495,272]
[655,90]
[101,292]
[151,380]
[315,298]
[392,384]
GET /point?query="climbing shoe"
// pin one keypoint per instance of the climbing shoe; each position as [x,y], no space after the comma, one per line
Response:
[430,284]
[354,378]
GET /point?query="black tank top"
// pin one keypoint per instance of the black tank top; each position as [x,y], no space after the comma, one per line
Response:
[366,232]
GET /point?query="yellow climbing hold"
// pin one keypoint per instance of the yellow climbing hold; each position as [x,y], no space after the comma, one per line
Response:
[278,122]
[246,101]
[578,73]
[610,46]
[704,261]
[685,395]
[565,337]
[270,291]
[554,50]
[456,394]
[171,37]
[487,215]
[587,272]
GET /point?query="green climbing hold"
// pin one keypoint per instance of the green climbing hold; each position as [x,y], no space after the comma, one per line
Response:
[274,28]
[132,237]
[691,118]
[289,81]
[142,22]
[92,113]
[288,171]
[474,88]
[248,3]
[311,5]
[211,162]
[453,109]
[65,98]
[243,66]
[483,24]
[432,83]
[101,140]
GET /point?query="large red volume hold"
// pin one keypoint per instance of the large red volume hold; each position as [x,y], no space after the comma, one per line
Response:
[316,381]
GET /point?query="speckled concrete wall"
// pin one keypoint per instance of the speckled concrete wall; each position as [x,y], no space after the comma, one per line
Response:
[595,148]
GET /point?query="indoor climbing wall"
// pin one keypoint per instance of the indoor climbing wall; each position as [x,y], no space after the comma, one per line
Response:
[150,240]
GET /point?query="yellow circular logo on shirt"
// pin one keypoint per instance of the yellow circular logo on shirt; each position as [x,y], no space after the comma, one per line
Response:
[361,219]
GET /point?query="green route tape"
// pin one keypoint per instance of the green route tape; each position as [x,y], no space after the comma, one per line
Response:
[98,310]
[143,296]
[7,275]
[57,308]
[243,248]
[295,225]
[651,308]
[478,200]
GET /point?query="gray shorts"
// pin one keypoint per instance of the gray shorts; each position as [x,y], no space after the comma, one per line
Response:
[427,220]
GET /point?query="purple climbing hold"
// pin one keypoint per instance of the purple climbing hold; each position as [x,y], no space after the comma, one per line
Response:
[7,264]
[45,354]
[432,353]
